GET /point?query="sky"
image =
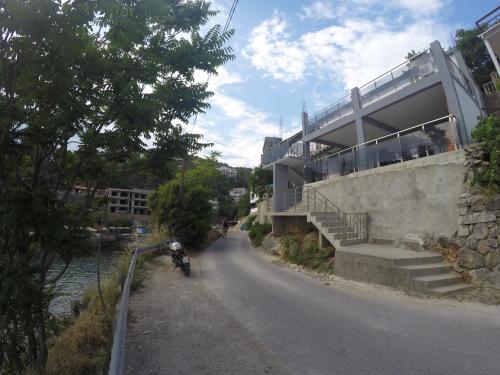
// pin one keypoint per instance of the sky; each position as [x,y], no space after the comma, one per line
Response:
[292,54]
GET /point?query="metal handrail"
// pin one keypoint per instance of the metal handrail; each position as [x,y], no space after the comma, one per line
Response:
[394,68]
[308,199]
[117,361]
[479,22]
[436,121]
[317,116]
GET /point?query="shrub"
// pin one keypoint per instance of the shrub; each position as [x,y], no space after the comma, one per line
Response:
[84,347]
[487,133]
[250,220]
[257,233]
[301,250]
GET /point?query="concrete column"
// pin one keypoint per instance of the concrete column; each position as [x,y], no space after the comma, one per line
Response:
[492,55]
[280,184]
[307,151]
[475,88]
[449,88]
[360,130]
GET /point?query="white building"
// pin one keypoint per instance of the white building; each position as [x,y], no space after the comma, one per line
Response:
[128,201]
[236,193]
[227,171]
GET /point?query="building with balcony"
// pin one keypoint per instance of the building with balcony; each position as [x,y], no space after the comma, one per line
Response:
[237,193]
[227,171]
[427,105]
[490,22]
[128,201]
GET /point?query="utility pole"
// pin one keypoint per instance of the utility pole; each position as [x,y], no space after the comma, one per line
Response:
[281,128]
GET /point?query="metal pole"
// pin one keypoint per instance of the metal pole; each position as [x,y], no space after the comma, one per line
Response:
[400,150]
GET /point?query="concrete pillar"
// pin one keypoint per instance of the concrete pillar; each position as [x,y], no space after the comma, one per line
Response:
[307,151]
[475,88]
[492,55]
[449,88]
[360,129]
[280,184]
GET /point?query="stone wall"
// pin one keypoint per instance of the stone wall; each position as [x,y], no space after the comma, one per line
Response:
[478,231]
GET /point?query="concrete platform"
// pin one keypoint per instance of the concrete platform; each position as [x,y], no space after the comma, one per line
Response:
[412,271]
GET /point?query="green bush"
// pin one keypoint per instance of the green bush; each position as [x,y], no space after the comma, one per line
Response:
[300,250]
[257,233]
[250,220]
[487,133]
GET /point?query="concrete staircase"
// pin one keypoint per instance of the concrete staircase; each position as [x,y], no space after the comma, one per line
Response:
[337,231]
[415,272]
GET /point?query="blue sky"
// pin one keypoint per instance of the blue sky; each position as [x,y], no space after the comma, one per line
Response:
[290,52]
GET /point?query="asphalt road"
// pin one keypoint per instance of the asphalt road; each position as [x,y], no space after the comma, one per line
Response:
[241,314]
[311,328]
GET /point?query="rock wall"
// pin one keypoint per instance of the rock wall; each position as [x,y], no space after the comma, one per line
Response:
[478,230]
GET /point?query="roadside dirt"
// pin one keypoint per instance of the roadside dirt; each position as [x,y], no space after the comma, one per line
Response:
[176,326]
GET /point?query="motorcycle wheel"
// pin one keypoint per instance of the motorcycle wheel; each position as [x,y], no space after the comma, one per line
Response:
[186,268]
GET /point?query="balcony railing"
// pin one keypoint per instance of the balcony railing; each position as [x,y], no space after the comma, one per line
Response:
[430,138]
[489,19]
[403,75]
[339,109]
[281,150]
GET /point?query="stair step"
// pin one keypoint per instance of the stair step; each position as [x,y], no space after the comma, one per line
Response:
[418,260]
[434,281]
[450,289]
[339,230]
[326,215]
[427,269]
[330,223]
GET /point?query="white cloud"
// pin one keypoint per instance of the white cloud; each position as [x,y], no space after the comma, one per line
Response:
[239,132]
[271,50]
[336,9]
[353,52]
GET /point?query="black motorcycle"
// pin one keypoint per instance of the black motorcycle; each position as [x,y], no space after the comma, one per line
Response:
[180,258]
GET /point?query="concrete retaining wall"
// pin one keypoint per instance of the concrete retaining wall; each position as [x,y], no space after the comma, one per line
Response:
[403,200]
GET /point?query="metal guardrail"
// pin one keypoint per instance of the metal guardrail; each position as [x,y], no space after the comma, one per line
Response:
[336,110]
[307,199]
[489,19]
[117,362]
[286,148]
[405,74]
[430,138]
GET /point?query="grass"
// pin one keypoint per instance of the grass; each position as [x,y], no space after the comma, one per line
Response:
[304,250]
[84,346]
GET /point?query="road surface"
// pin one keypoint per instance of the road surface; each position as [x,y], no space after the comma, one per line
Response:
[241,314]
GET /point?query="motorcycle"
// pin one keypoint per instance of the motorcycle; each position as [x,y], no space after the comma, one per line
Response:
[180,258]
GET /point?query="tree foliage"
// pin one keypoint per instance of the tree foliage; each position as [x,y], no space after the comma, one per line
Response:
[487,133]
[260,181]
[84,86]
[475,54]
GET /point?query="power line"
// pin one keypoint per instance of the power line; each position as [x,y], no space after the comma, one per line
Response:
[226,27]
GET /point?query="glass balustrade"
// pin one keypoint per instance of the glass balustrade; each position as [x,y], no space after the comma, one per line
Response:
[435,137]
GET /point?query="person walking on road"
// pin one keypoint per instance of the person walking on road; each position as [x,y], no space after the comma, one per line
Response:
[225,226]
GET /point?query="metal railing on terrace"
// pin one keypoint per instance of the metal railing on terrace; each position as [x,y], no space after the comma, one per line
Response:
[403,75]
[338,109]
[430,138]
[489,19]
[287,148]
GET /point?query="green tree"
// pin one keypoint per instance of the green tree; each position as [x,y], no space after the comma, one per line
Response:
[99,78]
[244,205]
[260,181]
[187,216]
[487,133]
[475,54]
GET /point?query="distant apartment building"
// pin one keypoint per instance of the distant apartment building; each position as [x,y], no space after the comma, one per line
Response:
[128,201]
[227,171]
[236,193]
